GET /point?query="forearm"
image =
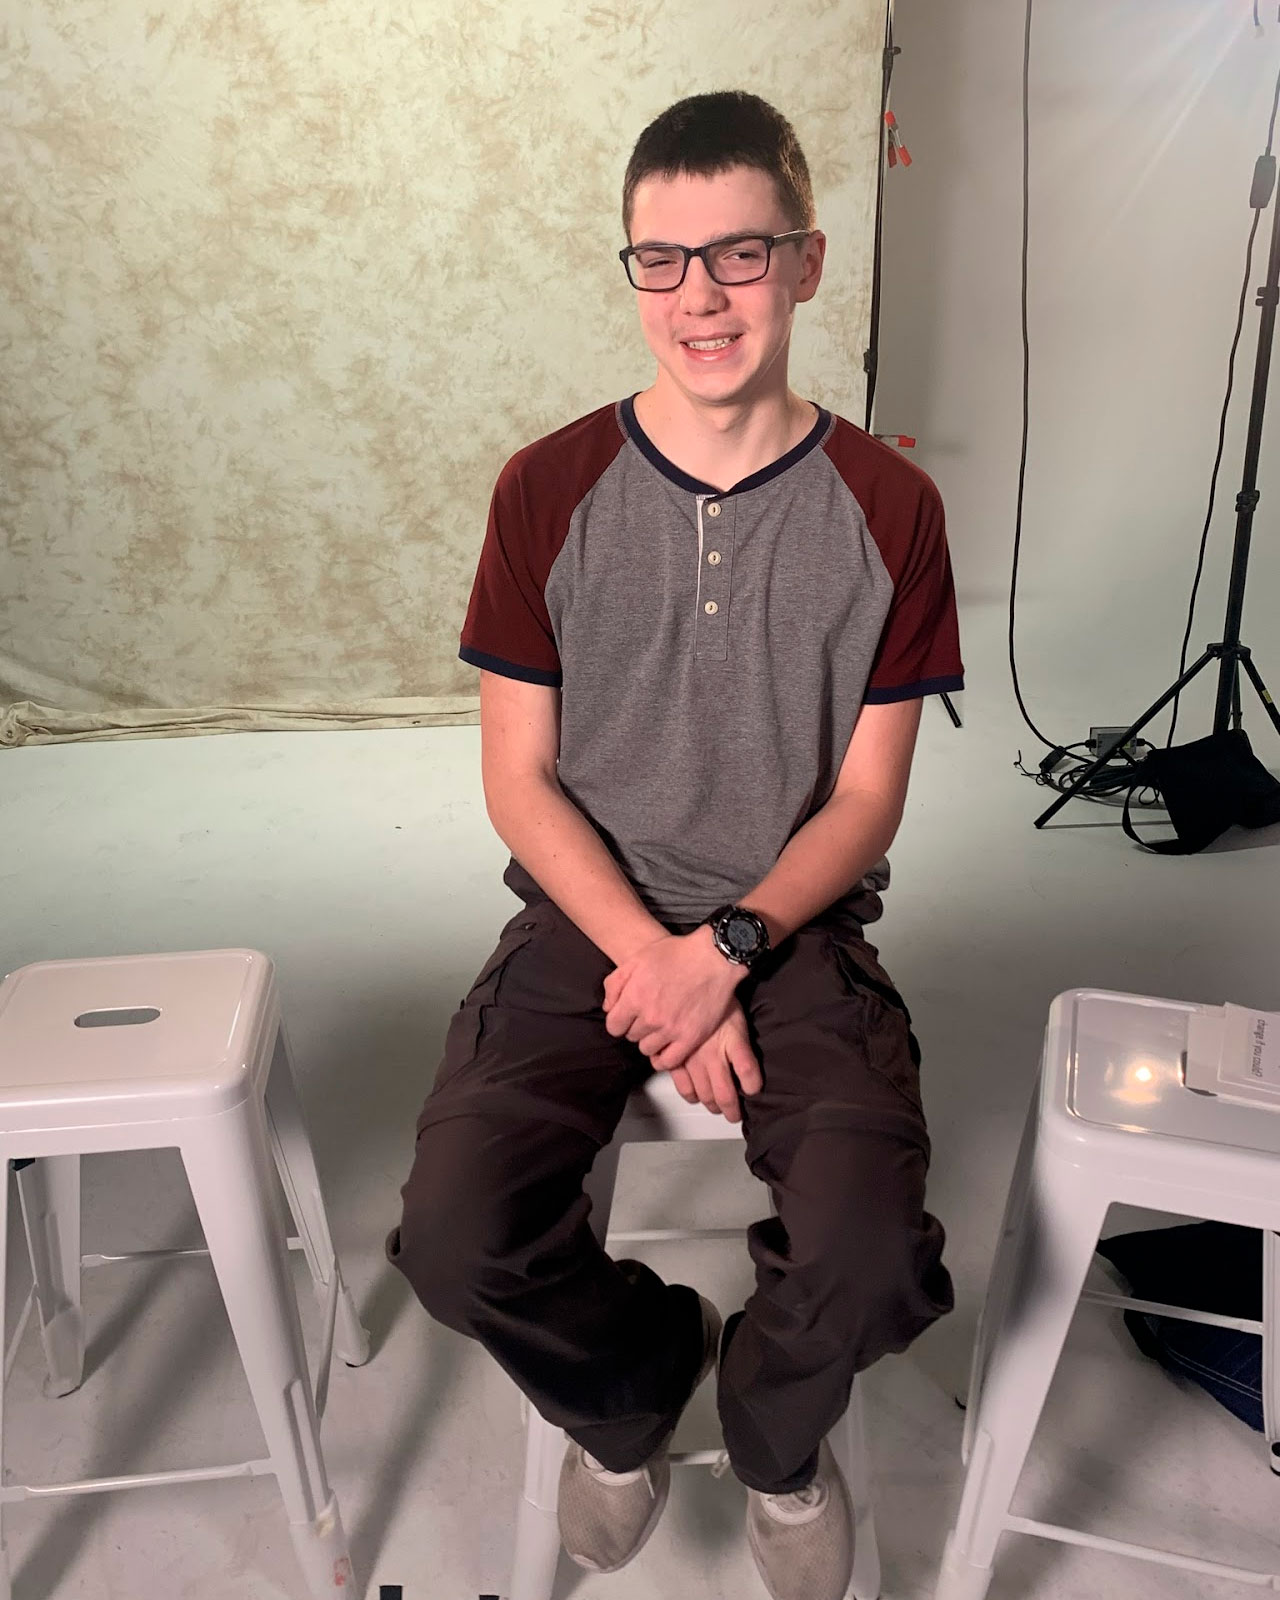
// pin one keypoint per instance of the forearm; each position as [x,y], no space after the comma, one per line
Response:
[559,848]
[823,860]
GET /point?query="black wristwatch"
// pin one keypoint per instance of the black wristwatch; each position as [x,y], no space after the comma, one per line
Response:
[740,935]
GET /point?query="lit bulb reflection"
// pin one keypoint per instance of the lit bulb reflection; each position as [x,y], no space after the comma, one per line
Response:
[1137,1082]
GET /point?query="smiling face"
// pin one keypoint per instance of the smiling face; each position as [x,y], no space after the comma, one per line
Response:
[718,345]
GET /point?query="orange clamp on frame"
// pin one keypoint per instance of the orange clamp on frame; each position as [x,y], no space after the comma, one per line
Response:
[897,150]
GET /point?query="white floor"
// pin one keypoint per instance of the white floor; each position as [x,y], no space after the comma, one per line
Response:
[363,863]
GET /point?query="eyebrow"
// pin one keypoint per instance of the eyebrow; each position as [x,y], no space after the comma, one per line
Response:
[723,238]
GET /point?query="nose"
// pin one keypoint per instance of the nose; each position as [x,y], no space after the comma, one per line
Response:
[700,293]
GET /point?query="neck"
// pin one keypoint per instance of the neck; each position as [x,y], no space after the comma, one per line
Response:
[721,445]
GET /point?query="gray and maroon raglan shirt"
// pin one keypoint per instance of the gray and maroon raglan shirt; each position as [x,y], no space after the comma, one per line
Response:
[712,649]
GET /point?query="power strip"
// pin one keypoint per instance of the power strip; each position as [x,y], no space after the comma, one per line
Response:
[1106,741]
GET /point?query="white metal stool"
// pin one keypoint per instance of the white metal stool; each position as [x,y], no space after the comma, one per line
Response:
[656,1112]
[1112,1122]
[185,1050]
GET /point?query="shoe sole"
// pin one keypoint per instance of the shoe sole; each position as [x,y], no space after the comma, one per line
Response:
[711,1329]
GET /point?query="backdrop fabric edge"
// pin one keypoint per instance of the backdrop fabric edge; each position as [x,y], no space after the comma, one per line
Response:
[27,722]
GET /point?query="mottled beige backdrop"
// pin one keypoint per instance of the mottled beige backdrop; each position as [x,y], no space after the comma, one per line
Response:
[286,281]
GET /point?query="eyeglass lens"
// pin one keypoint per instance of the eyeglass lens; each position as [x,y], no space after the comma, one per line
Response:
[730,261]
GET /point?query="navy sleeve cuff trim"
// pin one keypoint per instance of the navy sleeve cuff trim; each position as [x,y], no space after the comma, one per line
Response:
[509,669]
[914,691]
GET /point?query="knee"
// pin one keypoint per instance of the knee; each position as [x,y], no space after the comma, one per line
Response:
[437,1257]
[485,1208]
[450,1230]
[885,1289]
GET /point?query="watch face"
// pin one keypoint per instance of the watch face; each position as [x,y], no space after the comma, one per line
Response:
[741,935]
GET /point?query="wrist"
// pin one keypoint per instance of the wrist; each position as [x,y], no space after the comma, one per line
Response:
[716,962]
[635,939]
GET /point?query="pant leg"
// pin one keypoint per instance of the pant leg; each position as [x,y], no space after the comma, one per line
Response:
[851,1267]
[494,1236]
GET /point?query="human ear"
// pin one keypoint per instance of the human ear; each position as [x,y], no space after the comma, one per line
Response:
[813,251]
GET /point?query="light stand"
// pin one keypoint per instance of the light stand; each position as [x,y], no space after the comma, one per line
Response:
[1230,653]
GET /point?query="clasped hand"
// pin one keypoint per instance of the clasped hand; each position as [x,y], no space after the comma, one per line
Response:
[675,1000]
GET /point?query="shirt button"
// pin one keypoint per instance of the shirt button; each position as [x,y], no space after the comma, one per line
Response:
[713,510]
[713,558]
[711,608]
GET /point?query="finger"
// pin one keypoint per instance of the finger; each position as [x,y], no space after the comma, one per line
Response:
[684,1086]
[671,1056]
[724,1088]
[652,1043]
[737,1047]
[697,1071]
[620,1019]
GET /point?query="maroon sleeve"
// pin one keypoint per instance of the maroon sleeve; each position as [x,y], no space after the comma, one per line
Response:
[918,652]
[508,629]
[919,649]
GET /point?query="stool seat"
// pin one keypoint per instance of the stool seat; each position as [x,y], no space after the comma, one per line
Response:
[1112,1121]
[1123,1067]
[89,1042]
[186,1050]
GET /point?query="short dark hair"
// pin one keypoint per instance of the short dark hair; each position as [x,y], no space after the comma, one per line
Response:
[708,134]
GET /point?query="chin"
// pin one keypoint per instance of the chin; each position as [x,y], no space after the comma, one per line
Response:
[724,393]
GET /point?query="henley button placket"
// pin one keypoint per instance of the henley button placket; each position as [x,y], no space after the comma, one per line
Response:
[715,540]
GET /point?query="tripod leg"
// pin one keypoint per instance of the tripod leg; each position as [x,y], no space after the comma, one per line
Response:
[1256,679]
[1142,721]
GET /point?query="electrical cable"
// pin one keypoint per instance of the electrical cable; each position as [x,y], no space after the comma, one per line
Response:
[1026,369]
[1118,773]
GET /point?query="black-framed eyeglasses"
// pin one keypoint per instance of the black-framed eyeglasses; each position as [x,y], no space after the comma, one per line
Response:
[744,258]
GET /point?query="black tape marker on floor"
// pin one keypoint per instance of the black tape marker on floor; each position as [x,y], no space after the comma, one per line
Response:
[390,1591]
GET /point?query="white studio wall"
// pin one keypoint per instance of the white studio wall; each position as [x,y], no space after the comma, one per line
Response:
[1146,119]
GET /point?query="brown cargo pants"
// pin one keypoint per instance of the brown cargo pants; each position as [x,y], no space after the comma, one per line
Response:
[494,1236]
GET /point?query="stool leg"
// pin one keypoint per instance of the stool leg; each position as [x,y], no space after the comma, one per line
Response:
[1270,1329]
[537,1551]
[6,1588]
[999,1282]
[296,1164]
[849,1445]
[49,1194]
[1050,1257]
[228,1166]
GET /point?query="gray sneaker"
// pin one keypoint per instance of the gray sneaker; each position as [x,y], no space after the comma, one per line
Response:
[605,1517]
[803,1542]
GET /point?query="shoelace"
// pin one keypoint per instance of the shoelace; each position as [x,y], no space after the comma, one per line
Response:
[598,1470]
[808,1497]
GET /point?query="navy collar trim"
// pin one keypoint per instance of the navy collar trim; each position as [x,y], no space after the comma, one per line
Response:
[682,480]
